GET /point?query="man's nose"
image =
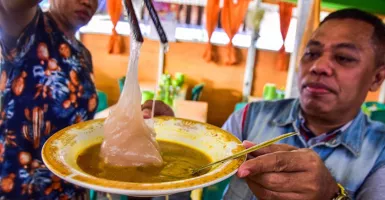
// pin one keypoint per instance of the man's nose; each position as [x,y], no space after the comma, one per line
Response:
[322,66]
[86,2]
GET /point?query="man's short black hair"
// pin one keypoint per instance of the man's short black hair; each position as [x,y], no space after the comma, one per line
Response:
[378,37]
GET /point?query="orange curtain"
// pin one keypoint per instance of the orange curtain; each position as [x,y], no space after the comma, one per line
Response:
[285,14]
[312,24]
[233,14]
[115,8]
[212,15]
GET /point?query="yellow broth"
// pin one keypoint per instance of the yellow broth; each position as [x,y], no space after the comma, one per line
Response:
[178,159]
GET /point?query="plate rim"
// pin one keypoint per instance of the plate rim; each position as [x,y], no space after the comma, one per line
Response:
[113,186]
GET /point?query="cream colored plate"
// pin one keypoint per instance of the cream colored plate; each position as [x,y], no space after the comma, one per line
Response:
[61,150]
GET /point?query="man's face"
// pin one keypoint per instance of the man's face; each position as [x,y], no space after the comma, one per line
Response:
[338,67]
[75,13]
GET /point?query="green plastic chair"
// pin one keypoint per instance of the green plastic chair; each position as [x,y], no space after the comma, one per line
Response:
[196,92]
[240,105]
[103,101]
[216,191]
[121,83]
[375,110]
[147,95]
[94,196]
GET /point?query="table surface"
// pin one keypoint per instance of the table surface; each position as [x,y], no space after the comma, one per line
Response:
[144,86]
[193,110]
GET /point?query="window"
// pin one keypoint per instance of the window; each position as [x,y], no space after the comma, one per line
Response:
[190,19]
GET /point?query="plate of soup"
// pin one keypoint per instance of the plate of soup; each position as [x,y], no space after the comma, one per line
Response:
[73,154]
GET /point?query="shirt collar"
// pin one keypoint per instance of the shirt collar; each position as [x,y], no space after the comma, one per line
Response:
[54,26]
[340,129]
[289,114]
[351,136]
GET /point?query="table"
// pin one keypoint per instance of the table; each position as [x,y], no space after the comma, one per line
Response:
[146,86]
[193,110]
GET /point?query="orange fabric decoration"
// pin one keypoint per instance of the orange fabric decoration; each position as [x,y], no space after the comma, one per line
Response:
[212,15]
[312,24]
[233,14]
[285,14]
[115,44]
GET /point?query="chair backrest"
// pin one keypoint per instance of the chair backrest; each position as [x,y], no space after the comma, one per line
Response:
[216,191]
[103,101]
[240,105]
[375,110]
[196,92]
[121,83]
[378,116]
[147,95]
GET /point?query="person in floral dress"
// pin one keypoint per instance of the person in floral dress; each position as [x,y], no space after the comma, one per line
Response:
[46,84]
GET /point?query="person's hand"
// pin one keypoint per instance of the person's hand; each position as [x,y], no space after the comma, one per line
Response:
[284,172]
[161,109]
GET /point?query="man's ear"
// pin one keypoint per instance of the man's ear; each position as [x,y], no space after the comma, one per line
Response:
[378,78]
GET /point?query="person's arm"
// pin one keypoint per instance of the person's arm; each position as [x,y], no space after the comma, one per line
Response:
[15,15]
[374,186]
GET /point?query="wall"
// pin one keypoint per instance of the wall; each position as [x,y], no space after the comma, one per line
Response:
[223,84]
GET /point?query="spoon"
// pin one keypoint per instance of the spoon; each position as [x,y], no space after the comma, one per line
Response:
[246,151]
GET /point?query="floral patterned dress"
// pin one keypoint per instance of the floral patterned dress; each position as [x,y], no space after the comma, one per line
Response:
[46,84]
